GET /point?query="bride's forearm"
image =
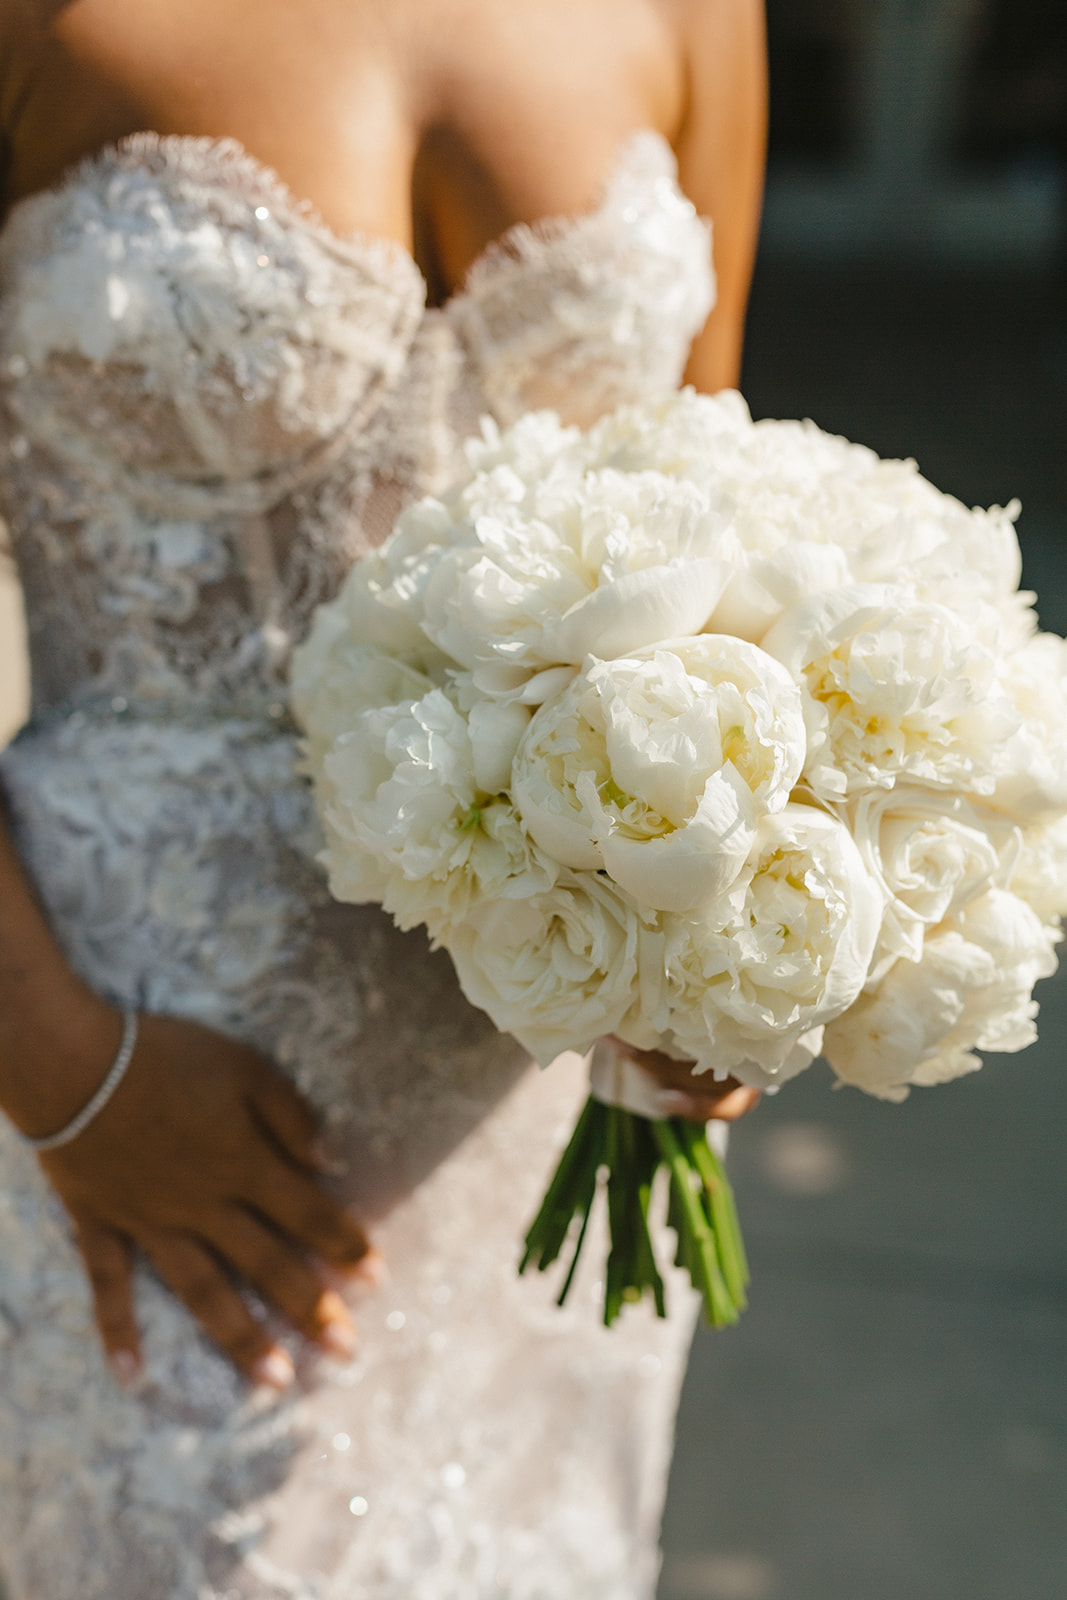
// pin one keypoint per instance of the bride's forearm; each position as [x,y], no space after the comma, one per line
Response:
[56,1035]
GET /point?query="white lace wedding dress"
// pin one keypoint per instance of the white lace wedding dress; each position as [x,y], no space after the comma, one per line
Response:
[211,405]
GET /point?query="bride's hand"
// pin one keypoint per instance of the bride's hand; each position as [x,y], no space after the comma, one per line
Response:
[205,1160]
[700,1098]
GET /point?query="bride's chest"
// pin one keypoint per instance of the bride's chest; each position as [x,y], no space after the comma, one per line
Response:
[170,314]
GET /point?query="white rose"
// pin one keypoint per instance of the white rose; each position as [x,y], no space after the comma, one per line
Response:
[894,690]
[556,969]
[658,766]
[407,822]
[930,853]
[751,981]
[971,989]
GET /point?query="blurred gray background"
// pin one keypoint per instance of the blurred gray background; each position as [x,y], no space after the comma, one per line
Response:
[889,1421]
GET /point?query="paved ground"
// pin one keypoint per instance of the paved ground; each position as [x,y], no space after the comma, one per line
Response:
[889,1422]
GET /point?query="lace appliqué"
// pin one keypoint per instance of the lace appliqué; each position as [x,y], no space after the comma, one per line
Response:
[213,403]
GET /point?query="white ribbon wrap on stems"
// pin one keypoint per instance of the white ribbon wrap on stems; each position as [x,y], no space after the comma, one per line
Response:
[615,1079]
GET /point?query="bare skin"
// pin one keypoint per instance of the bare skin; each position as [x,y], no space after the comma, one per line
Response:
[438,124]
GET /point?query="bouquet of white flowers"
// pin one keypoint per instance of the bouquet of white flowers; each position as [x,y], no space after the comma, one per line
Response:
[725,738]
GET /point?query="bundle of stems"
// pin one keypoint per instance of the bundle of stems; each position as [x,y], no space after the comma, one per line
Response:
[621,1152]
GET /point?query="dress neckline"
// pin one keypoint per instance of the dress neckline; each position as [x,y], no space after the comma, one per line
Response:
[226,162]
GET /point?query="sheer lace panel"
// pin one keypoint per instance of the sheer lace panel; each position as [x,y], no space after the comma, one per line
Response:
[212,403]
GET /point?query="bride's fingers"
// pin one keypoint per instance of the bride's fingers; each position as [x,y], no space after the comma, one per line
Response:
[273,1267]
[299,1207]
[287,1116]
[719,1108]
[200,1282]
[107,1257]
[698,1096]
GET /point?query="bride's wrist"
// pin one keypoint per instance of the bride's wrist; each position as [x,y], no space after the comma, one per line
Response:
[55,1058]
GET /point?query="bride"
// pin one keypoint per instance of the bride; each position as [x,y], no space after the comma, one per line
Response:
[230,349]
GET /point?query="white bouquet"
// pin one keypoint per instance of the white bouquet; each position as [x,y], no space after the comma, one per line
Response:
[725,738]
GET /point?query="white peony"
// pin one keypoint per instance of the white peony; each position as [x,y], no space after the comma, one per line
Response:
[1031,767]
[751,980]
[971,989]
[495,864]
[535,450]
[559,716]
[930,853]
[894,691]
[761,586]
[1039,874]
[508,577]
[407,822]
[334,680]
[602,567]
[558,969]
[381,599]
[790,484]
[658,766]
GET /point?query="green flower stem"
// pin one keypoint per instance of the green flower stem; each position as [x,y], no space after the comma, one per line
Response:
[620,1255]
[701,1210]
[632,1160]
[572,1269]
[723,1215]
[648,1165]
[575,1175]
[701,1256]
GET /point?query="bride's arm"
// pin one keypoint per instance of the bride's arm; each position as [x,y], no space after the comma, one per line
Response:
[204,1158]
[721,150]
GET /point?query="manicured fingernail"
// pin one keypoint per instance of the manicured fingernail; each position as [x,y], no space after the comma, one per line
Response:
[339,1338]
[370,1269]
[273,1370]
[336,1334]
[736,1104]
[125,1367]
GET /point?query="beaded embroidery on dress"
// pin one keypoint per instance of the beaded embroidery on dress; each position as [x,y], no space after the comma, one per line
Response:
[209,405]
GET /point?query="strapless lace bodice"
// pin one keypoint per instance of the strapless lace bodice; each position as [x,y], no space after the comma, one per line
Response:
[213,403]
[209,406]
